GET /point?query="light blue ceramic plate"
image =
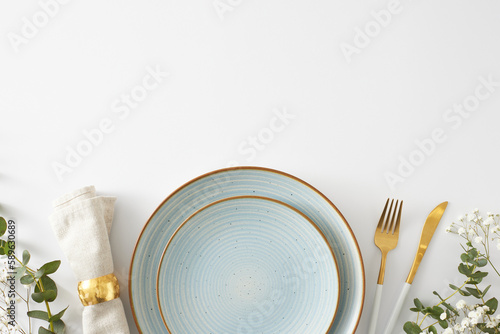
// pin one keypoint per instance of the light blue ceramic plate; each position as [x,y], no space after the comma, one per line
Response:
[248,265]
[244,181]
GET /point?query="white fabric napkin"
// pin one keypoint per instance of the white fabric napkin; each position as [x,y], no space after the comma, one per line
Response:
[81,222]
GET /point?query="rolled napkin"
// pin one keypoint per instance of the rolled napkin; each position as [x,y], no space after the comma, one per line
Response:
[81,222]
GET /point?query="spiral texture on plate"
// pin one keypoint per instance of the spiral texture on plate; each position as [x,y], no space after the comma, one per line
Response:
[248,265]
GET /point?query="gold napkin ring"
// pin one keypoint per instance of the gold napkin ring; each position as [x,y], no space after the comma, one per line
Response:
[98,290]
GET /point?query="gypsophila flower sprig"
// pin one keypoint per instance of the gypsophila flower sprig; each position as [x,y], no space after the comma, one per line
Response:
[44,289]
[477,314]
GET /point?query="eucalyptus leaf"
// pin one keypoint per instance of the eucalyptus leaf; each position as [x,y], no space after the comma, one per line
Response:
[3,251]
[473,262]
[3,226]
[482,262]
[450,308]
[40,297]
[39,273]
[478,274]
[486,290]
[464,269]
[20,271]
[58,316]
[39,315]
[474,292]
[26,257]
[48,285]
[474,281]
[59,327]
[472,253]
[443,324]
[433,330]
[437,294]
[411,328]
[462,292]
[427,310]
[7,247]
[51,267]
[27,279]
[42,330]
[435,312]
[464,257]
[492,304]
[418,304]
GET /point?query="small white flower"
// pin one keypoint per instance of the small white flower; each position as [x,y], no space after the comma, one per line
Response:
[478,239]
[448,331]
[449,229]
[476,210]
[461,231]
[465,323]
[474,317]
[485,308]
[471,231]
[473,314]
[461,304]
[442,316]
[461,218]
[490,324]
[488,221]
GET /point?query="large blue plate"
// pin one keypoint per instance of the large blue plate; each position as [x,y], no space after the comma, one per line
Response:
[242,181]
[248,265]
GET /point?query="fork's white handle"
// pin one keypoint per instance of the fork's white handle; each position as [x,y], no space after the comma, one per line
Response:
[376,307]
[397,309]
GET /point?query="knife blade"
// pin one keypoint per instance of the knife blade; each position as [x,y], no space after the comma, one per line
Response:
[428,230]
[430,226]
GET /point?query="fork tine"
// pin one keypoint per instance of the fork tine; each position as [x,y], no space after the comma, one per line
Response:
[391,223]
[388,220]
[381,221]
[398,221]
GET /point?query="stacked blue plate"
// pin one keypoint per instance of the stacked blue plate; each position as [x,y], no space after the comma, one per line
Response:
[246,250]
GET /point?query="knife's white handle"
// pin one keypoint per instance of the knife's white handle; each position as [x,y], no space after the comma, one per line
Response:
[397,309]
[376,307]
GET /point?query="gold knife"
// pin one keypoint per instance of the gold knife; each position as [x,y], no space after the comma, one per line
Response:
[430,226]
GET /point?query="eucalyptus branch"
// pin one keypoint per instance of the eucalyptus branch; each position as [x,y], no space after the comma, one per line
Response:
[45,289]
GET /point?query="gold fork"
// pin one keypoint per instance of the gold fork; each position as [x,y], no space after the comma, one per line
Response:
[386,239]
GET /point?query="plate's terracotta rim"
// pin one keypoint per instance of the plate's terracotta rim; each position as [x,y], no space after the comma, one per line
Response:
[309,220]
[246,168]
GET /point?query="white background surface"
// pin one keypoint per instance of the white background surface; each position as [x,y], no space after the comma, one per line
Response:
[352,121]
